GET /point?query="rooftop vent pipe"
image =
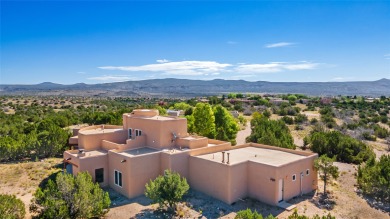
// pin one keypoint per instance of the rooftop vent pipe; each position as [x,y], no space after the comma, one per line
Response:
[223,156]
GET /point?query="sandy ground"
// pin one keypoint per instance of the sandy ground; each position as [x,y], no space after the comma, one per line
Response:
[242,134]
[22,179]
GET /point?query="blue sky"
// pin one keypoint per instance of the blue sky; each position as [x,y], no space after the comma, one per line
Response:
[105,41]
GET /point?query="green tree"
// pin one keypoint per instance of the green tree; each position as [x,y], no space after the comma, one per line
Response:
[270,132]
[292,98]
[204,120]
[324,166]
[71,197]
[225,125]
[181,106]
[232,96]
[11,207]
[190,123]
[167,190]
[343,147]
[374,178]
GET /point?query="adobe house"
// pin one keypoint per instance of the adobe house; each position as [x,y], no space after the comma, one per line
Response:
[127,157]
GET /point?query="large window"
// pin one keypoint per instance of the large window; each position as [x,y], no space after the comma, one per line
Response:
[138,132]
[99,175]
[130,133]
[118,178]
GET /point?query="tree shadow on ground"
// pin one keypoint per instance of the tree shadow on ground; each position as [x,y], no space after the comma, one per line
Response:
[213,208]
[45,180]
[323,201]
[150,213]
[118,200]
[374,203]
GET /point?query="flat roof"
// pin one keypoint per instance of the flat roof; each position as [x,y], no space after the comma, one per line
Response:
[161,118]
[99,130]
[259,155]
[86,154]
[138,151]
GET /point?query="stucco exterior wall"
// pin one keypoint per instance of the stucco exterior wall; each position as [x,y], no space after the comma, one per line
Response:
[94,141]
[90,164]
[159,132]
[260,185]
[238,181]
[210,178]
[177,162]
[114,163]
[293,188]
[143,168]
[192,142]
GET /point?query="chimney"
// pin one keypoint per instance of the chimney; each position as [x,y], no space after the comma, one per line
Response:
[228,158]
[223,156]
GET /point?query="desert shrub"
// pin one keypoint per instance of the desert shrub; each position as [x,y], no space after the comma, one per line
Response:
[381,132]
[288,120]
[267,113]
[300,118]
[343,147]
[374,178]
[295,215]
[249,214]
[384,119]
[70,197]
[367,136]
[167,190]
[11,207]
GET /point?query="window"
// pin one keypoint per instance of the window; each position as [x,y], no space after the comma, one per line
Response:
[307,172]
[130,133]
[294,177]
[118,178]
[99,175]
[138,132]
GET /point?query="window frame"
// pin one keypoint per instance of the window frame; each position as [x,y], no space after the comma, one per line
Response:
[118,178]
[130,133]
[138,132]
[307,172]
[294,177]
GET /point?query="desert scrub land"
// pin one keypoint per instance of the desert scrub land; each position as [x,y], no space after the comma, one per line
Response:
[23,178]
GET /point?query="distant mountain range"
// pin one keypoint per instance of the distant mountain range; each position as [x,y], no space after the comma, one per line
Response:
[190,88]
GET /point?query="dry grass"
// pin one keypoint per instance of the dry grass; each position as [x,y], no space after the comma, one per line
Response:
[22,179]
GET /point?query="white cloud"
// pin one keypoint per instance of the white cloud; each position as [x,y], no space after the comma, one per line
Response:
[206,68]
[112,78]
[281,44]
[273,67]
[387,56]
[176,68]
[162,60]
[82,72]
